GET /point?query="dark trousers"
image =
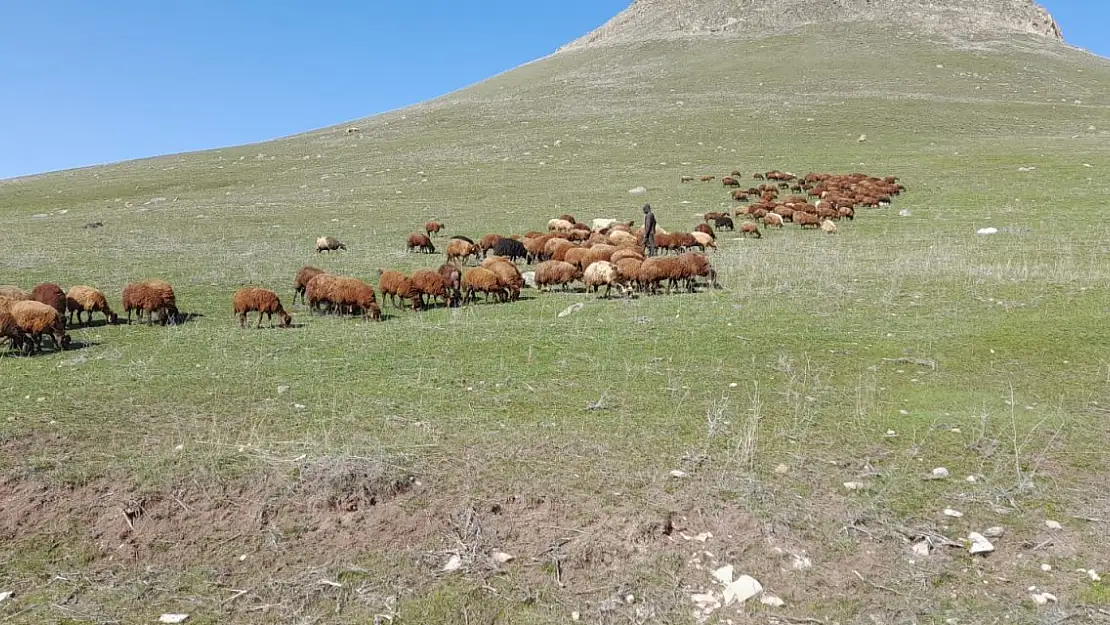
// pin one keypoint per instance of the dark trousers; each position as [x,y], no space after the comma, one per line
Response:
[649,244]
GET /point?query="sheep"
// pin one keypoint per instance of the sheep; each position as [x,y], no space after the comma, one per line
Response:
[433,227]
[10,330]
[148,297]
[704,240]
[724,222]
[599,273]
[36,319]
[461,249]
[729,181]
[420,241]
[621,238]
[575,256]
[694,265]
[559,225]
[264,301]
[628,269]
[686,179]
[535,247]
[304,274]
[655,269]
[463,238]
[511,249]
[568,217]
[452,277]
[707,178]
[331,293]
[481,279]
[804,219]
[706,229]
[757,176]
[711,216]
[748,227]
[50,294]
[553,272]
[509,275]
[87,299]
[828,226]
[487,243]
[846,212]
[626,252]
[602,224]
[398,286]
[14,292]
[772,219]
[740,195]
[431,284]
[328,243]
[556,249]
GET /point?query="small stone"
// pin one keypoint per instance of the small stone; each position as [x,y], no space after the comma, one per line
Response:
[979,544]
[243,558]
[772,601]
[454,563]
[724,574]
[300,406]
[679,473]
[953,513]
[4,596]
[1093,574]
[921,549]
[782,469]
[801,563]
[501,557]
[173,618]
[891,434]
[971,479]
[940,473]
[179,448]
[855,485]
[637,190]
[994,532]
[705,600]
[574,616]
[744,588]
[733,385]
[282,389]
[1053,525]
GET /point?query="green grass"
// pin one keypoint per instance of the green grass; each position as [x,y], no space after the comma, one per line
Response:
[487,406]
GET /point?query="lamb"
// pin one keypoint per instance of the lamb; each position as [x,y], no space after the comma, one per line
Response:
[264,301]
[50,294]
[148,297]
[328,243]
[552,272]
[461,249]
[398,286]
[433,227]
[724,222]
[304,274]
[748,227]
[36,319]
[14,292]
[420,241]
[481,279]
[772,219]
[828,226]
[704,240]
[560,225]
[487,243]
[431,284]
[511,249]
[509,275]
[599,273]
[87,299]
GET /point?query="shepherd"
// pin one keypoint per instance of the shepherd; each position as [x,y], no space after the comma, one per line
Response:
[649,230]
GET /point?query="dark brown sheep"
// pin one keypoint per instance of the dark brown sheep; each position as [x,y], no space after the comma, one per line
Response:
[398,286]
[421,242]
[150,296]
[749,228]
[50,294]
[433,227]
[487,243]
[509,275]
[304,274]
[553,272]
[432,285]
[806,220]
[480,279]
[263,301]
[452,277]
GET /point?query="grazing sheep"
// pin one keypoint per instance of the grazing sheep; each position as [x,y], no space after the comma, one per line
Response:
[148,297]
[535,247]
[481,279]
[330,293]
[621,238]
[461,249]
[626,252]
[509,275]
[398,286]
[729,181]
[601,273]
[304,274]
[707,178]
[654,270]
[695,266]
[846,212]
[329,243]
[772,219]
[36,319]
[263,301]
[686,179]
[10,330]
[487,243]
[433,227]
[570,218]
[706,229]
[806,220]
[556,249]
[704,240]
[724,222]
[452,277]
[575,256]
[559,225]
[50,294]
[758,176]
[420,241]
[86,299]
[511,249]
[711,216]
[14,292]
[552,272]
[740,195]
[628,269]
[432,285]
[828,226]
[749,228]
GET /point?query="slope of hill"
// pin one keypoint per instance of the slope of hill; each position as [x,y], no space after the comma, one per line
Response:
[331,471]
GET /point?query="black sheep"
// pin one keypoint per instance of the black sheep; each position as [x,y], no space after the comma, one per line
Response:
[724,223]
[510,248]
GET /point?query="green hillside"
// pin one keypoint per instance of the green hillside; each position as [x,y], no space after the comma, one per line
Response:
[329,472]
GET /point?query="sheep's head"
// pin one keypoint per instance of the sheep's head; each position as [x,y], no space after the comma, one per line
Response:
[286,319]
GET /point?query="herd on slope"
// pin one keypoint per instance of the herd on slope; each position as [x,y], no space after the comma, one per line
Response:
[605,253]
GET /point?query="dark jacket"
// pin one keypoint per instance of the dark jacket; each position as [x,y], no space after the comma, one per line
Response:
[649,225]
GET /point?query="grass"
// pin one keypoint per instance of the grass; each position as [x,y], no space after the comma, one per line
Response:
[488,408]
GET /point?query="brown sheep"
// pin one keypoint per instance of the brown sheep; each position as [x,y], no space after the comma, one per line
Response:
[758,176]
[14,292]
[420,241]
[148,297]
[772,219]
[622,238]
[686,179]
[748,227]
[575,256]
[601,273]
[740,195]
[693,266]
[559,225]
[264,301]
[704,240]
[706,229]
[556,248]
[459,250]
[86,299]
[554,272]
[629,270]
[509,275]
[36,319]
[846,212]
[806,220]
[50,294]
[304,274]
[341,294]
[534,246]
[10,330]
[432,285]
[452,277]
[328,244]
[487,243]
[729,181]
[481,279]
[570,218]
[626,252]
[398,286]
[707,178]
[655,270]
[433,227]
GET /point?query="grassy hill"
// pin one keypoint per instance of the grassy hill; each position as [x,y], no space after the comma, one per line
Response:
[328,473]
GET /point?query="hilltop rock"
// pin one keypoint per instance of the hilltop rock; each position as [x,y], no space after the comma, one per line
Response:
[659,19]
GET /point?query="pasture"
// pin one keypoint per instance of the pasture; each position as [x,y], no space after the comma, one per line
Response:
[330,471]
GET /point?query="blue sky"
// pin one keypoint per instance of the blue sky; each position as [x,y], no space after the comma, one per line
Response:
[93,82]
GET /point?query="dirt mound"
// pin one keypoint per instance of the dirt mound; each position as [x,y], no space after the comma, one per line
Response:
[654,19]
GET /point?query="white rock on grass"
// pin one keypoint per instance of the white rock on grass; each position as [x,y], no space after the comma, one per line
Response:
[1053,525]
[745,587]
[990,230]
[953,513]
[979,544]
[801,563]
[4,596]
[1043,598]
[772,601]
[940,473]
[679,473]
[637,190]
[1093,574]
[173,618]
[501,557]
[855,485]
[454,563]
[994,532]
[724,574]
[921,549]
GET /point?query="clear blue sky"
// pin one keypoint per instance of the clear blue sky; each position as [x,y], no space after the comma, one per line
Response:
[86,82]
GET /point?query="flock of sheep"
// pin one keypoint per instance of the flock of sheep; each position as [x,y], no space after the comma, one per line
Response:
[605,253]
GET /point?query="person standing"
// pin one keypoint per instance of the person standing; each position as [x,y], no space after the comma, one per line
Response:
[649,230]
